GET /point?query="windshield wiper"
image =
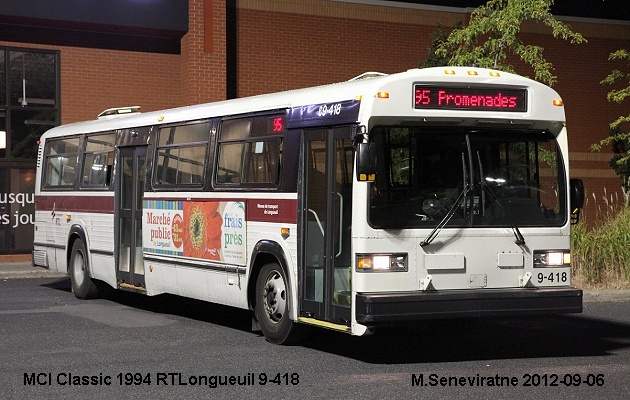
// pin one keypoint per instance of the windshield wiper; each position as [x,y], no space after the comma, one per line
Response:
[520,240]
[436,231]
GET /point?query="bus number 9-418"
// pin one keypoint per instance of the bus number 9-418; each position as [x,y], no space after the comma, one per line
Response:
[330,109]
[553,277]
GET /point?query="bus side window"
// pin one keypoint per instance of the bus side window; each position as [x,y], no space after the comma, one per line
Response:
[249,151]
[181,155]
[263,161]
[61,157]
[98,161]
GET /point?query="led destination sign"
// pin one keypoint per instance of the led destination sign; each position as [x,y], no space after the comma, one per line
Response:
[472,99]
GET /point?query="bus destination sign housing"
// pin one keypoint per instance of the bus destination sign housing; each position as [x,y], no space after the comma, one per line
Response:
[448,97]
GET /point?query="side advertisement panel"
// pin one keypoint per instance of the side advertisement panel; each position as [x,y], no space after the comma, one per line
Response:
[211,230]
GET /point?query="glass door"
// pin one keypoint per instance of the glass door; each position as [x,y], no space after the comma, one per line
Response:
[131,173]
[327,211]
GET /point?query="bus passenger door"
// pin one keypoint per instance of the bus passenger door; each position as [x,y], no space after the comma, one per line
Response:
[326,216]
[131,173]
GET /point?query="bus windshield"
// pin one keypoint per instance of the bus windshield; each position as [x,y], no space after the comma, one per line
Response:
[465,177]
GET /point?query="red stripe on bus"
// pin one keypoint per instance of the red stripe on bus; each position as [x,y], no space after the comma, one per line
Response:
[259,210]
[80,203]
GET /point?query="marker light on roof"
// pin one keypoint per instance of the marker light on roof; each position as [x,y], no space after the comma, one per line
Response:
[558,102]
[449,71]
[382,95]
[495,74]
[472,72]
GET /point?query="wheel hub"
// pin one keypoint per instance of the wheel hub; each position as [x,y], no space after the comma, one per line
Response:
[275,297]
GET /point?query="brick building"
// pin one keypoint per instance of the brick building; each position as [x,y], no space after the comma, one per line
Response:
[172,53]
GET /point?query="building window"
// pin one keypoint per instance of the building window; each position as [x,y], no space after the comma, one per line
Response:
[29,106]
[30,100]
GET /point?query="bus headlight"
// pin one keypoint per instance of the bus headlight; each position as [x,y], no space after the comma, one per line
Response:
[381,262]
[552,259]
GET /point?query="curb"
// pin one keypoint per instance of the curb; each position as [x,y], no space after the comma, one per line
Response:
[592,296]
[20,270]
[5,275]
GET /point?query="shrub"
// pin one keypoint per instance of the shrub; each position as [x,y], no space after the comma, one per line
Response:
[601,255]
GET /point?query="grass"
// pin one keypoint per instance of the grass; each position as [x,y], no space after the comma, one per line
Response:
[600,254]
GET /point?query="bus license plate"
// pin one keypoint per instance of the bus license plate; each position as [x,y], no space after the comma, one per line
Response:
[552,278]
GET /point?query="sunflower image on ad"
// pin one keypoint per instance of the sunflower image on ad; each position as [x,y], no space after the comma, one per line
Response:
[209,230]
[202,230]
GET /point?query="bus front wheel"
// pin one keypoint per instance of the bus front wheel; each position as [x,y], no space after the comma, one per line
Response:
[82,285]
[272,306]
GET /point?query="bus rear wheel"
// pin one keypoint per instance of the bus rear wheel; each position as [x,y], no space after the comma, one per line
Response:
[272,306]
[83,286]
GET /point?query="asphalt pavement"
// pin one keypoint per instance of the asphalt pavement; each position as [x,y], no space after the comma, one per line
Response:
[25,270]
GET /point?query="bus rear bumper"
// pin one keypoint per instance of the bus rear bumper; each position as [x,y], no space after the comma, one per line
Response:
[406,306]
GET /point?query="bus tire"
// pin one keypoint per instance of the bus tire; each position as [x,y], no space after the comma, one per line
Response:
[272,306]
[83,286]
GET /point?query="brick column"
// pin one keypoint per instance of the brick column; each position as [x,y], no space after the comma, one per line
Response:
[203,53]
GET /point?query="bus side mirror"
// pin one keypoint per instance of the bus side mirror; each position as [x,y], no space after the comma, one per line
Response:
[366,162]
[576,199]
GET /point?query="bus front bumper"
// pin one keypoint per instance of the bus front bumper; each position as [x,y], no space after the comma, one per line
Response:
[406,306]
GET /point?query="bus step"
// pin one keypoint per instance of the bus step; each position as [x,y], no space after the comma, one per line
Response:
[133,288]
[324,324]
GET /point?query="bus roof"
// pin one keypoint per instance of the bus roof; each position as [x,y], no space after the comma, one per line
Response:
[366,86]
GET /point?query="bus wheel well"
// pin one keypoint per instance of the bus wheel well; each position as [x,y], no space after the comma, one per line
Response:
[260,260]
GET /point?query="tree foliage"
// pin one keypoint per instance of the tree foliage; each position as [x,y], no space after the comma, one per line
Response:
[437,38]
[493,32]
[617,138]
[619,95]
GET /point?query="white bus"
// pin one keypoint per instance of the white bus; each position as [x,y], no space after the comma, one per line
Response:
[438,193]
